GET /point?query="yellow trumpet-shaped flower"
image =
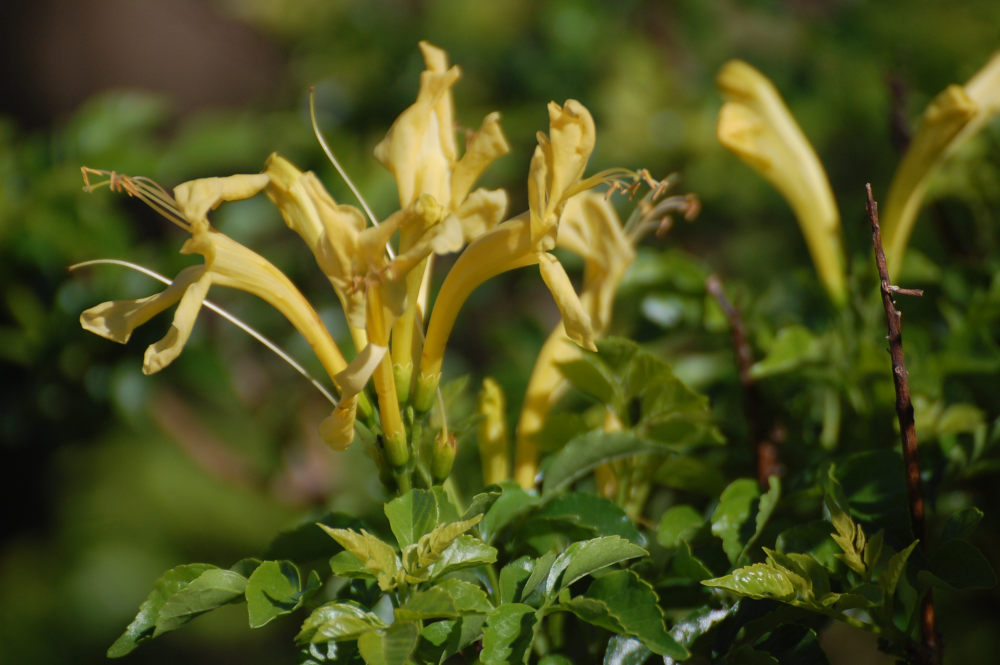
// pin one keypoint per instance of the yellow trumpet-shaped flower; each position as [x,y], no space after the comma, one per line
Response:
[230,264]
[954,115]
[755,124]
[590,228]
[555,175]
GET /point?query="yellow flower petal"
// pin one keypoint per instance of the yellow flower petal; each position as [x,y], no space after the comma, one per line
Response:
[117,319]
[197,197]
[337,429]
[165,351]
[354,378]
[954,115]
[575,319]
[485,146]
[755,124]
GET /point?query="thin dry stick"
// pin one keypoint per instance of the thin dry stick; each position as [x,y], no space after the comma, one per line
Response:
[765,449]
[931,651]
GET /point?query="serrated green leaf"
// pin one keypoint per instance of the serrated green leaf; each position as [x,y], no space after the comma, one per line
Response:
[731,519]
[442,639]
[389,646]
[513,577]
[432,603]
[468,597]
[586,557]
[346,564]
[378,557]
[679,524]
[686,564]
[412,515]
[595,513]
[483,501]
[757,581]
[337,621]
[811,579]
[628,605]
[623,650]
[765,508]
[142,627]
[585,452]
[275,588]
[958,564]
[508,634]
[213,588]
[510,505]
[540,568]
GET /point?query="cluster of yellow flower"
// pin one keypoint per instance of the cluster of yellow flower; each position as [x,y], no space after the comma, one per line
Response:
[380,271]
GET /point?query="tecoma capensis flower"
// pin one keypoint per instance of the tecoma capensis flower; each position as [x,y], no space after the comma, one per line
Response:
[755,124]
[954,115]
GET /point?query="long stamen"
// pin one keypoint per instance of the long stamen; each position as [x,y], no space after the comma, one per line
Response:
[245,327]
[145,189]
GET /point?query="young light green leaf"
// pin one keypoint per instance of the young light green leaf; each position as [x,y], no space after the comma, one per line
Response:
[378,557]
[894,569]
[412,515]
[758,581]
[142,627]
[508,634]
[337,621]
[389,646]
[586,557]
[346,564]
[463,552]
[731,519]
[275,588]
[679,524]
[420,561]
[213,588]
[468,597]
[432,603]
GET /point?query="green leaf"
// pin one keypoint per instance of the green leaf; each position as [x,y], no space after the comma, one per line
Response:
[464,552]
[758,581]
[275,588]
[508,635]
[432,603]
[540,569]
[307,542]
[889,577]
[592,512]
[513,577]
[586,557]
[346,564]
[793,347]
[443,639]
[875,488]
[811,538]
[679,524]
[731,519]
[686,564]
[378,557]
[591,376]
[585,452]
[625,604]
[213,588]
[958,564]
[623,650]
[390,646]
[554,659]
[962,524]
[142,627]
[337,621]
[690,474]
[412,515]
[510,505]
[482,502]
[468,597]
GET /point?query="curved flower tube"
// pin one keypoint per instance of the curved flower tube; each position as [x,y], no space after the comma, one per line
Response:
[755,124]
[954,115]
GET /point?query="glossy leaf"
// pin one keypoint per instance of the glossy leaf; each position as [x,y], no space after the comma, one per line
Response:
[378,557]
[679,524]
[275,588]
[482,502]
[337,621]
[627,605]
[513,577]
[213,588]
[623,650]
[510,505]
[144,624]
[508,634]
[412,515]
[586,557]
[757,581]
[389,646]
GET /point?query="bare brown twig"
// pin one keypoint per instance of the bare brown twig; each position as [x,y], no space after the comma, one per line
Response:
[930,653]
[765,449]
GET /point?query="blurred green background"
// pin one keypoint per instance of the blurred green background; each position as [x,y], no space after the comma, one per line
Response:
[110,477]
